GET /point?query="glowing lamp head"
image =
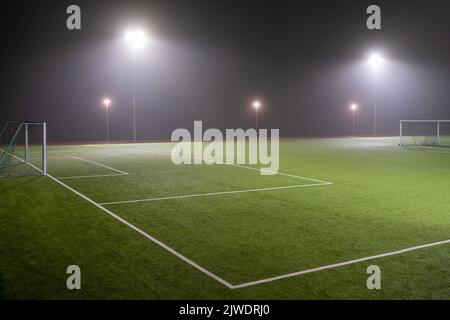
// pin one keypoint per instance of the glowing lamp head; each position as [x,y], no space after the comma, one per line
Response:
[136,39]
[353,107]
[106,102]
[256,105]
[376,61]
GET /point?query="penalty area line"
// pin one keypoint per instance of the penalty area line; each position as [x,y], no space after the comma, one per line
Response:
[213,194]
[341,264]
[251,168]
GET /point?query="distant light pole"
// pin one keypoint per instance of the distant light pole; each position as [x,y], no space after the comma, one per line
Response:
[107,102]
[353,108]
[256,105]
[136,40]
[375,61]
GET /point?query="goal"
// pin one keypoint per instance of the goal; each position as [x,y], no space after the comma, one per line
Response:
[23,149]
[425,133]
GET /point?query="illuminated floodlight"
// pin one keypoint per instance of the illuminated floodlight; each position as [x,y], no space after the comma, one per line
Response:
[376,61]
[354,107]
[256,105]
[106,102]
[136,38]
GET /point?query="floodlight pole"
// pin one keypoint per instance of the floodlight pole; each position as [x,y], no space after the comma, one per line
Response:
[134,94]
[401,133]
[44,148]
[26,142]
[354,123]
[107,122]
[375,105]
[438,133]
[256,122]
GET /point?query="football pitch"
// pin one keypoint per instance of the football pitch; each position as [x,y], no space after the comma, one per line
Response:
[141,227]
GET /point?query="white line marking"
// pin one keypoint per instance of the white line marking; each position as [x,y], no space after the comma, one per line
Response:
[93,176]
[143,233]
[101,165]
[320,183]
[119,172]
[211,194]
[251,168]
[217,278]
[341,264]
[166,153]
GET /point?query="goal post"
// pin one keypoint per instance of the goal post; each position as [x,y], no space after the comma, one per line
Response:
[425,133]
[23,149]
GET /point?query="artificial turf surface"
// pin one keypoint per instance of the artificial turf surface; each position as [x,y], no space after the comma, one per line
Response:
[383,198]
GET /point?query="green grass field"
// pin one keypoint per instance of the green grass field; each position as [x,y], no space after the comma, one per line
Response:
[380,199]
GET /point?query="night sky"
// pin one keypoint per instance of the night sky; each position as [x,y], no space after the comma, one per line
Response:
[306,60]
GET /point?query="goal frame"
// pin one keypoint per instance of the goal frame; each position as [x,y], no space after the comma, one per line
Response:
[25,125]
[438,125]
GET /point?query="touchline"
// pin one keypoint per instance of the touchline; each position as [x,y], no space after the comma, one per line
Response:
[231,151]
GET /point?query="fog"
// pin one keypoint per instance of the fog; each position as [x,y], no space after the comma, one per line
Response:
[206,60]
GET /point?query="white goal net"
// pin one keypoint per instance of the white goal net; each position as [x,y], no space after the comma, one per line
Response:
[425,133]
[23,149]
